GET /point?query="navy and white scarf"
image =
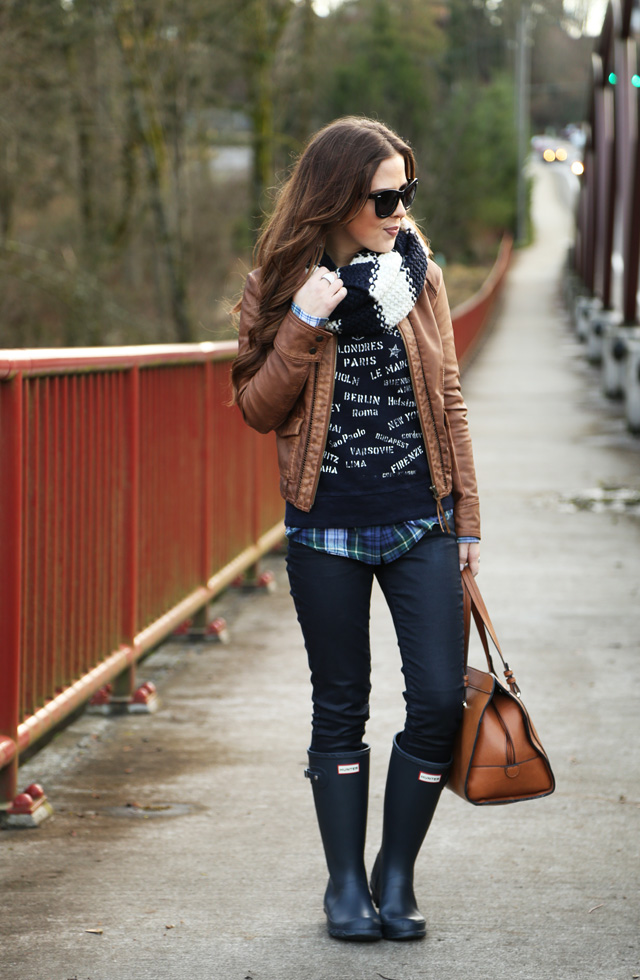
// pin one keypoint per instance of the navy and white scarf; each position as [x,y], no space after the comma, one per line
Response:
[382,287]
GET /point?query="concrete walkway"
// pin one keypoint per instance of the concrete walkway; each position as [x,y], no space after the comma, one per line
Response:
[217,873]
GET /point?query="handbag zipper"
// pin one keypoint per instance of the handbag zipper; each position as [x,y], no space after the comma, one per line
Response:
[510,752]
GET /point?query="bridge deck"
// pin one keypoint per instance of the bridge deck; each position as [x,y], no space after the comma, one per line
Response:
[232,888]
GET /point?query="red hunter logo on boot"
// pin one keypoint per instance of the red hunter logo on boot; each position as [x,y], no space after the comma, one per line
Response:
[347,769]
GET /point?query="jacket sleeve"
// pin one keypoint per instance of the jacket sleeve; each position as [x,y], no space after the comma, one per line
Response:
[465,489]
[267,397]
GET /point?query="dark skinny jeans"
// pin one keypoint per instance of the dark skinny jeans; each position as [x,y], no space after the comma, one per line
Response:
[332,596]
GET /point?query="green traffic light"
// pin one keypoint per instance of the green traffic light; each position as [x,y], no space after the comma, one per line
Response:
[613,78]
[635,81]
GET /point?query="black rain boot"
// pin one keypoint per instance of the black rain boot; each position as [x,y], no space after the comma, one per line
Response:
[411,796]
[340,782]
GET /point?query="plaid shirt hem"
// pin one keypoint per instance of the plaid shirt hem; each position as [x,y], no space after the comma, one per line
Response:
[372,545]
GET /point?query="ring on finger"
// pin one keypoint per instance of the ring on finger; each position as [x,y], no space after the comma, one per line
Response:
[329,276]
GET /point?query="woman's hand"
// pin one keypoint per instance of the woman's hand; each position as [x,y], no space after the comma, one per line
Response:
[319,297]
[469,552]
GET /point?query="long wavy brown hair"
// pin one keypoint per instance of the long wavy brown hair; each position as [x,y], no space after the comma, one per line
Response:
[329,185]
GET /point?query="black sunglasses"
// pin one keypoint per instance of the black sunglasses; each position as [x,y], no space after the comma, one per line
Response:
[387,201]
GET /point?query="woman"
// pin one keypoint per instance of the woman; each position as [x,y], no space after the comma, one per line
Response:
[346,350]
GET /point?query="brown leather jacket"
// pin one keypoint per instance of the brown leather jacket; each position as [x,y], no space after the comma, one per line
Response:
[293,389]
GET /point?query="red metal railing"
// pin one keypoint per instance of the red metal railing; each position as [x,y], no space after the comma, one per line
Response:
[130,494]
[470,318]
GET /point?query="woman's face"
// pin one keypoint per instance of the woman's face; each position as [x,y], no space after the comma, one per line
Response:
[366,230]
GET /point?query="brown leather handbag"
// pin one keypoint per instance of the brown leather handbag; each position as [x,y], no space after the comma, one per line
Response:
[498,756]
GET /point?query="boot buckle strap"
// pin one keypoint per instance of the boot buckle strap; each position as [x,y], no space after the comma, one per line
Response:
[317,776]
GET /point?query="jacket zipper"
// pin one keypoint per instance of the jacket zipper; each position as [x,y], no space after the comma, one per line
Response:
[311,416]
[308,439]
[434,490]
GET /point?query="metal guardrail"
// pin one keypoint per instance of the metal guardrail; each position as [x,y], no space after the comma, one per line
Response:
[602,280]
[607,252]
[471,317]
[130,494]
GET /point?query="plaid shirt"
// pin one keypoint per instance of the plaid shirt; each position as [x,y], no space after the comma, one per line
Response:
[371,545]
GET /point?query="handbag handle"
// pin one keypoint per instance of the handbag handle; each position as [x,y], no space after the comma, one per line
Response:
[474,603]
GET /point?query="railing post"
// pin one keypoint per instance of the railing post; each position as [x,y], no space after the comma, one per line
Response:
[125,684]
[253,573]
[207,463]
[11,484]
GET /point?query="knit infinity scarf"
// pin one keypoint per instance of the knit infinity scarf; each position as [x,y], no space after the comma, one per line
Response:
[382,287]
